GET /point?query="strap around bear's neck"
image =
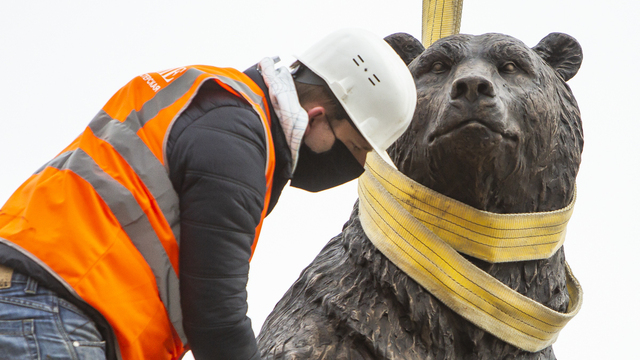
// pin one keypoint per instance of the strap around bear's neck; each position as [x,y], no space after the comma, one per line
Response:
[484,235]
[402,217]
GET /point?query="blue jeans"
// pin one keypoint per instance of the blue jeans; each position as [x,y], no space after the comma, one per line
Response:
[37,324]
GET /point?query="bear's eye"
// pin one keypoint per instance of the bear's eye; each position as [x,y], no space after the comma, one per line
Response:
[439,67]
[509,68]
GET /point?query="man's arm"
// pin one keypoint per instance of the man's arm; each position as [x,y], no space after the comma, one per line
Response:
[217,165]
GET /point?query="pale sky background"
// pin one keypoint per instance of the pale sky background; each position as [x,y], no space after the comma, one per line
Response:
[62,60]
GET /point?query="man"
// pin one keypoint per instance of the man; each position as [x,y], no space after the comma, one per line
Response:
[181,167]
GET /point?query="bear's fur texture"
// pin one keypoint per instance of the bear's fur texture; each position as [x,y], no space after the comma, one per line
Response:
[495,127]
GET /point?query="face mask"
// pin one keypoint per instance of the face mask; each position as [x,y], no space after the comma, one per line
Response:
[320,171]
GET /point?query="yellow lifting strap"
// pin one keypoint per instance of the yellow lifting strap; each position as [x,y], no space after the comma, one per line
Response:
[440,18]
[488,236]
[391,208]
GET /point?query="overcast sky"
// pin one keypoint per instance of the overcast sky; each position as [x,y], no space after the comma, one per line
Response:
[62,60]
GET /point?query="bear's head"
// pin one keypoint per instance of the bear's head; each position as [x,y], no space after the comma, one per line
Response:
[496,126]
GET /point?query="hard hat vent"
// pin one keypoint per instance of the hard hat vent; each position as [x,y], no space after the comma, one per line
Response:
[359,60]
[375,77]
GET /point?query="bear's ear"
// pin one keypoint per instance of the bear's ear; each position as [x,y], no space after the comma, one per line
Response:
[405,45]
[562,52]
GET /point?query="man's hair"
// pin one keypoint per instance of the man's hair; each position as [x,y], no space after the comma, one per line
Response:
[318,92]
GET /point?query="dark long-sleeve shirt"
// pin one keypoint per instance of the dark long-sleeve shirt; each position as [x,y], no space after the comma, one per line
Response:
[216,156]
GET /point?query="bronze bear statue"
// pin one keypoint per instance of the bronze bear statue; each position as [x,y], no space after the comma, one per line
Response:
[497,128]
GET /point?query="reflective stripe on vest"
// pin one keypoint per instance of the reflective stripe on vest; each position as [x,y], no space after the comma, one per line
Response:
[115,238]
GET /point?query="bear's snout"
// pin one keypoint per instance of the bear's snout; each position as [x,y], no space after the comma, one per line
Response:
[471,87]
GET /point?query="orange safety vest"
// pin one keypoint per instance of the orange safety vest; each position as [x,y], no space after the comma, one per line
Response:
[103,217]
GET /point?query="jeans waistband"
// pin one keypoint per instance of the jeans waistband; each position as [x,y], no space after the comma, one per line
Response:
[20,278]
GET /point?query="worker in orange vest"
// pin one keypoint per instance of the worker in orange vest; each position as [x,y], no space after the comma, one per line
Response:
[134,242]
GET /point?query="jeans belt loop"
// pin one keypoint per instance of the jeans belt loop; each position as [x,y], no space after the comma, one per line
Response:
[32,286]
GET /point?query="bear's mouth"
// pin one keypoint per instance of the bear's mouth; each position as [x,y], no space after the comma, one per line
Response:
[474,122]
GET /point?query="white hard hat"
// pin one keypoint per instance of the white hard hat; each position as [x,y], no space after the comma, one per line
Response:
[370,80]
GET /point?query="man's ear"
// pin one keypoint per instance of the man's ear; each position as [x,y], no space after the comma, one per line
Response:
[316,112]
[318,136]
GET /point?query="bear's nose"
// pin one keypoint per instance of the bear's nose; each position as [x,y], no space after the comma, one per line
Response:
[471,87]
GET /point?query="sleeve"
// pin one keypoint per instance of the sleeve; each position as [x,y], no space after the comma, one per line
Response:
[217,166]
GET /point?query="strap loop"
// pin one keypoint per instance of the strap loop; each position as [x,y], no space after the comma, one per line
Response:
[411,244]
